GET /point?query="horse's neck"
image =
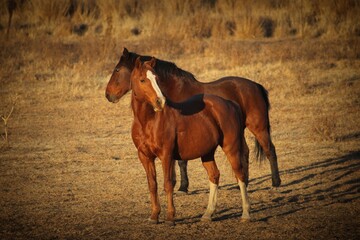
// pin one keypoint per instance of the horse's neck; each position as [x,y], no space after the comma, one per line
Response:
[143,112]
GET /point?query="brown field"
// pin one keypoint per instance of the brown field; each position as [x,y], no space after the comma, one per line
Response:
[70,169]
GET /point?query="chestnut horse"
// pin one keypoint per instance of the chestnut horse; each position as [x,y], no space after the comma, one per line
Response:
[179,85]
[187,130]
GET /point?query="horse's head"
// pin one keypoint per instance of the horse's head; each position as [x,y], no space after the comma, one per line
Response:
[119,83]
[144,84]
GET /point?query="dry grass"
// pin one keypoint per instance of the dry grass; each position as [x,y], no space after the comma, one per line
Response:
[5,119]
[184,20]
[72,171]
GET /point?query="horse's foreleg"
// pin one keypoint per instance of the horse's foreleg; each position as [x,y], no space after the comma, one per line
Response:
[184,184]
[168,170]
[214,176]
[149,166]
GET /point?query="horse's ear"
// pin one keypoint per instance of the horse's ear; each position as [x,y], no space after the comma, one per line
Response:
[125,52]
[138,62]
[152,62]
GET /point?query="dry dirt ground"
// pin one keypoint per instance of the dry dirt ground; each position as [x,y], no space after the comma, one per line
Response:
[72,172]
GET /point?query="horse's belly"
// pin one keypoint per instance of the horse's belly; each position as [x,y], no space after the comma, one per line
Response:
[194,144]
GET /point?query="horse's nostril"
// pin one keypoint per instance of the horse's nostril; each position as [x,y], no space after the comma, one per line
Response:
[158,102]
[108,96]
[111,98]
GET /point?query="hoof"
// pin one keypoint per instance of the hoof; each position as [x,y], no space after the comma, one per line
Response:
[153,221]
[206,219]
[245,220]
[170,223]
[276,182]
[182,190]
[180,193]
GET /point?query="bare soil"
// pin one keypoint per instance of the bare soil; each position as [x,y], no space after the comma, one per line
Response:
[71,171]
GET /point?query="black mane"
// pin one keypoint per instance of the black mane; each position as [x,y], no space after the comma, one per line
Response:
[166,69]
[190,106]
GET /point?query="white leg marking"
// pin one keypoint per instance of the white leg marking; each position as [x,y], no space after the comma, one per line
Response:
[245,201]
[212,202]
[154,84]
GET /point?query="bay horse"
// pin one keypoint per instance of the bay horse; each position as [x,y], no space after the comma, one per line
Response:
[186,130]
[179,85]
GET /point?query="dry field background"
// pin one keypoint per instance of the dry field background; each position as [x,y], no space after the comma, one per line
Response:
[71,171]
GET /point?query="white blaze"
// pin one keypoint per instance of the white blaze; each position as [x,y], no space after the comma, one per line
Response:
[154,84]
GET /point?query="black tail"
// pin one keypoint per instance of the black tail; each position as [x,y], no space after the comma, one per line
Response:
[260,154]
[265,96]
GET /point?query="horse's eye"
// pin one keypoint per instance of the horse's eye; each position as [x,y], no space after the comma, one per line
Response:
[142,80]
[117,69]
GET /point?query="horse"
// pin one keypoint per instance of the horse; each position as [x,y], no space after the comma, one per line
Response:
[179,85]
[184,130]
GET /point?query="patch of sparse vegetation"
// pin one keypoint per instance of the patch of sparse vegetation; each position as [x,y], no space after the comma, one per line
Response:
[5,118]
[59,179]
[203,19]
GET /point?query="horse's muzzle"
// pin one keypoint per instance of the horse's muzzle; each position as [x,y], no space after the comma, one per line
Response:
[112,98]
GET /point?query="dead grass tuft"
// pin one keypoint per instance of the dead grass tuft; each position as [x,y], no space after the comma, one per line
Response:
[5,118]
[324,128]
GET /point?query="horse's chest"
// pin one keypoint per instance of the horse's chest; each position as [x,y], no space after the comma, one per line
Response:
[149,138]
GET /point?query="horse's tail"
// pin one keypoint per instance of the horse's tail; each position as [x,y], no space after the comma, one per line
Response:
[260,154]
[265,95]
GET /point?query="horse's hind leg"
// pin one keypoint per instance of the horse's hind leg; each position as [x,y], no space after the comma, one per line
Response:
[239,164]
[257,121]
[214,176]
[245,201]
[265,141]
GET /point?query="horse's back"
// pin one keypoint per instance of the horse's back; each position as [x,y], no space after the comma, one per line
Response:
[251,97]
[235,89]
[252,90]
[225,111]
